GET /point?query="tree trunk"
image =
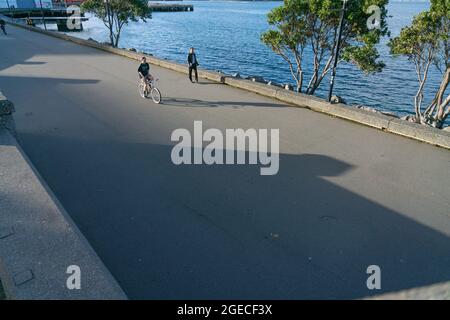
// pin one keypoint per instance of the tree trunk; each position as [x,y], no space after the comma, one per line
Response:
[440,97]
[300,82]
[111,37]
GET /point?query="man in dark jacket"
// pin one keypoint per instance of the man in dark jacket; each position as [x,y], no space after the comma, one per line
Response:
[193,63]
[2,26]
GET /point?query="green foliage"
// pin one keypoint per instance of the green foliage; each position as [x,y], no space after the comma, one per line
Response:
[119,13]
[414,40]
[429,31]
[291,27]
[440,9]
[427,41]
[300,24]
[365,57]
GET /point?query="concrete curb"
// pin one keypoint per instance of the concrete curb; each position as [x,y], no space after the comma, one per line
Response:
[39,240]
[439,291]
[386,123]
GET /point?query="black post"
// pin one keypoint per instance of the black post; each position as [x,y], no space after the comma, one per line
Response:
[43,17]
[11,14]
[338,49]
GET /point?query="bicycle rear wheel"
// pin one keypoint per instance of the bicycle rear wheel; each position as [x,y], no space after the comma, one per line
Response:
[156,95]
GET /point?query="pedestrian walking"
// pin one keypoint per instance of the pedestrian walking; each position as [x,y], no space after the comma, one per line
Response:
[2,26]
[193,63]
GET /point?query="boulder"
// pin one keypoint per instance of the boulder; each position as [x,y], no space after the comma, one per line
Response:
[274,84]
[386,113]
[409,118]
[256,79]
[6,106]
[337,99]
[370,109]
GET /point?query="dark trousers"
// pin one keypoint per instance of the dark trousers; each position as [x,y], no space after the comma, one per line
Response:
[193,67]
[3,28]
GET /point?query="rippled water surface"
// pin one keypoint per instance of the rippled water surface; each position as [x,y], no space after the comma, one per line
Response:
[226,35]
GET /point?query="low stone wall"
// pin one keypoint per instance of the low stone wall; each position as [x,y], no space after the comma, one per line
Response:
[376,120]
[6,115]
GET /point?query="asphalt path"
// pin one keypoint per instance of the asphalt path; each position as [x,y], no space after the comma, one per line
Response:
[345,197]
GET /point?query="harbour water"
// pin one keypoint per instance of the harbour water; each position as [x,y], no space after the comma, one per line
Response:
[226,35]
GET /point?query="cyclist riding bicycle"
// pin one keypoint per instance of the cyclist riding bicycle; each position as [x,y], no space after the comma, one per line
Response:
[144,72]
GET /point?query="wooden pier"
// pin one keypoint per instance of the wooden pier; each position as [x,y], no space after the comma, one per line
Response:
[170,7]
[35,16]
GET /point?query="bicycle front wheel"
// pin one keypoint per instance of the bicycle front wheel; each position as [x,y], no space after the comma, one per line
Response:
[156,95]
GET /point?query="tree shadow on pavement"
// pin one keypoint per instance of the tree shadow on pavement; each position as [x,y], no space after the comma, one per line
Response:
[32,63]
[225,232]
[186,102]
[13,86]
[207,83]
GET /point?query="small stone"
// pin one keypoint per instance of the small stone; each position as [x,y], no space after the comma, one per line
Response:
[274,235]
[328,217]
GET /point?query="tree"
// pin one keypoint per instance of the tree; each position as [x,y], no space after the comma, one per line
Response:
[313,25]
[289,41]
[116,13]
[426,42]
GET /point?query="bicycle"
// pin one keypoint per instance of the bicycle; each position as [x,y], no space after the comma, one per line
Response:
[147,87]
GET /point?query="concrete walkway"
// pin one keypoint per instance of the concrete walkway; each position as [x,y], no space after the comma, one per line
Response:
[346,196]
[38,241]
